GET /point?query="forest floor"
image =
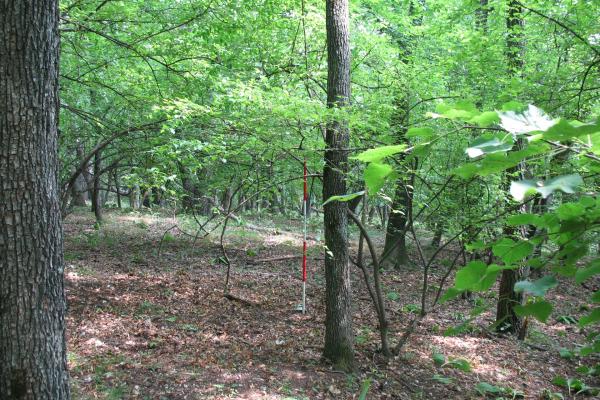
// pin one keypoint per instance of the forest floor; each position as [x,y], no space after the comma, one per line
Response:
[144,325]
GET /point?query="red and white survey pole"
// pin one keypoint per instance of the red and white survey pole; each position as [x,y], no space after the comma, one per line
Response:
[304,208]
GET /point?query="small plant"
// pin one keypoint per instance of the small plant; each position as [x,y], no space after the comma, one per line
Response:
[548,394]
[442,379]
[412,308]
[498,392]
[575,386]
[459,363]
[567,319]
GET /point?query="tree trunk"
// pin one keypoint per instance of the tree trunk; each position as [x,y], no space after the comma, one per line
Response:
[33,362]
[339,337]
[96,198]
[118,188]
[134,197]
[506,318]
[80,189]
[437,235]
[394,250]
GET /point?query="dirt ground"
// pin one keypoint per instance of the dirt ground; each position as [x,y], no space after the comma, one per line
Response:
[147,320]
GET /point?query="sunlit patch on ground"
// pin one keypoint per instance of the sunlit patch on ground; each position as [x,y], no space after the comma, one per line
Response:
[148,327]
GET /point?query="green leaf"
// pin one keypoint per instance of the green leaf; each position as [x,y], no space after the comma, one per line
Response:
[564,130]
[523,219]
[485,119]
[438,359]
[459,363]
[344,197]
[366,384]
[379,153]
[538,287]
[565,183]
[541,310]
[486,145]
[584,273]
[591,318]
[393,296]
[468,276]
[531,120]
[424,133]
[485,388]
[375,175]
[450,294]
[510,251]
[442,379]
[596,297]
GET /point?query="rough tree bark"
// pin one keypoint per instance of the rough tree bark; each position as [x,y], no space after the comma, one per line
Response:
[96,199]
[395,252]
[33,362]
[506,318]
[79,190]
[339,337]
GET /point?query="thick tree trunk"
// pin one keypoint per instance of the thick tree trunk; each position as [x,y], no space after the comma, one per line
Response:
[33,363]
[394,250]
[134,197]
[79,190]
[437,235]
[506,318]
[339,337]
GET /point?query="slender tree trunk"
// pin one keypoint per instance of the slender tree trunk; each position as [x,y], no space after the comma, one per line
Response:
[117,187]
[96,198]
[80,189]
[339,337]
[134,197]
[506,318]
[33,362]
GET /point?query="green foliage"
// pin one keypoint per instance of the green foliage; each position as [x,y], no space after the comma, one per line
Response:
[539,309]
[538,287]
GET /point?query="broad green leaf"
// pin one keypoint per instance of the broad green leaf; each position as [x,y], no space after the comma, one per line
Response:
[565,183]
[485,388]
[523,219]
[459,363]
[423,133]
[592,269]
[485,119]
[538,287]
[531,120]
[468,276]
[379,153]
[564,130]
[486,145]
[541,310]
[510,251]
[476,276]
[375,175]
[344,197]
[596,297]
[450,294]
[592,318]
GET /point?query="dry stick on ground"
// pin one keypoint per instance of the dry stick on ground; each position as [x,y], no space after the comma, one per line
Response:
[379,304]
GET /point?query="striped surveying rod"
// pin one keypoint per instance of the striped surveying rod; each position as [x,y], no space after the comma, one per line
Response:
[304,208]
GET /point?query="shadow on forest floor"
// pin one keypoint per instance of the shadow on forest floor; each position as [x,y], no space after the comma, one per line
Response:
[144,327]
